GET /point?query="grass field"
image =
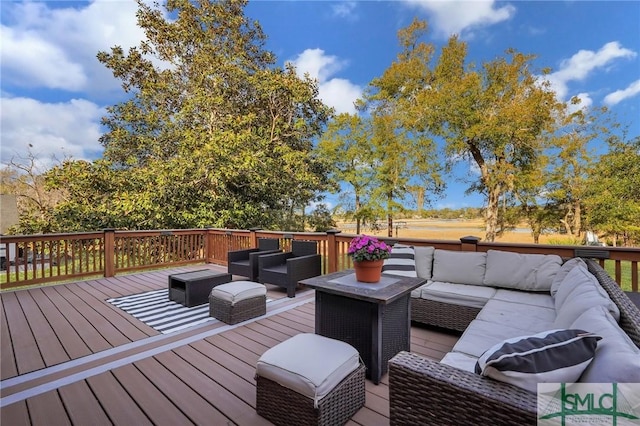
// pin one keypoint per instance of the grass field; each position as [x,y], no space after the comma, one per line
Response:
[455,229]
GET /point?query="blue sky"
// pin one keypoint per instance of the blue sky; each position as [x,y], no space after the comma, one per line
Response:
[54,90]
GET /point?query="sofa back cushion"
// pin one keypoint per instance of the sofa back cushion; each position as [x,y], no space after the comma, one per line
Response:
[563,271]
[578,292]
[460,267]
[617,358]
[424,261]
[401,261]
[530,272]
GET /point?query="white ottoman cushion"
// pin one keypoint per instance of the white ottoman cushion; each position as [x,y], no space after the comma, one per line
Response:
[309,364]
[236,291]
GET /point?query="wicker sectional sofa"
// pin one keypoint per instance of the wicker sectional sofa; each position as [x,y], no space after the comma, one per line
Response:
[494,296]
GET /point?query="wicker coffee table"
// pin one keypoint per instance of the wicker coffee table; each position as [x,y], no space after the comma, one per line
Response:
[373,318]
[193,288]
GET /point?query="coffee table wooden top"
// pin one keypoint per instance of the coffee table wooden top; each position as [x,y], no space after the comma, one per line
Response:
[343,283]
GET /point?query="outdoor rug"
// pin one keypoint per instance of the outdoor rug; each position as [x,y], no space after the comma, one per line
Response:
[156,310]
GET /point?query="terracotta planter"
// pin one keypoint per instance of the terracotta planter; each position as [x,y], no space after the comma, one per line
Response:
[368,271]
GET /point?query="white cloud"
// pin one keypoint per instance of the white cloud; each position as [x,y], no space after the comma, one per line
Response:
[455,17]
[620,95]
[335,92]
[345,9]
[55,48]
[69,129]
[583,64]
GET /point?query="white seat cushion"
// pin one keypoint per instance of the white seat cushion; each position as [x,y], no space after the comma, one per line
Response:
[459,360]
[481,335]
[525,297]
[473,296]
[529,318]
[310,364]
[236,291]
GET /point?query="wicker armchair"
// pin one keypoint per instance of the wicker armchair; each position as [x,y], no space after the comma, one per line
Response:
[245,262]
[288,268]
[423,391]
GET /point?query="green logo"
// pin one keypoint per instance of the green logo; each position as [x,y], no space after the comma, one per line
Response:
[588,403]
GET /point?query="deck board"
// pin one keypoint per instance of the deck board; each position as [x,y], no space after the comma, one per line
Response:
[206,380]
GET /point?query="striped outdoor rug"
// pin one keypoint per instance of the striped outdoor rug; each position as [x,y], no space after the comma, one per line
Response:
[156,310]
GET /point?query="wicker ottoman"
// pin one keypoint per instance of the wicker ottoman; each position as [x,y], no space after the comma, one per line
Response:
[310,380]
[238,301]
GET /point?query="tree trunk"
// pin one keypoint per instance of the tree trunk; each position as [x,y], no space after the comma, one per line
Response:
[577,219]
[389,216]
[358,220]
[491,214]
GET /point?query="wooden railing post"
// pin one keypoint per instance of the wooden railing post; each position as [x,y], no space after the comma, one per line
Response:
[208,247]
[109,252]
[332,250]
[254,237]
[469,243]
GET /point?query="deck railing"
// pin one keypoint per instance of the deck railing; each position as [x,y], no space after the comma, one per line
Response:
[38,259]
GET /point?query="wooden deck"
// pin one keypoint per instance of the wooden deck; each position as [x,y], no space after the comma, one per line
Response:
[69,357]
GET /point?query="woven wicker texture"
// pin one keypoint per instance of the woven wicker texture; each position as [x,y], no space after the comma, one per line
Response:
[283,406]
[241,311]
[423,391]
[439,314]
[356,322]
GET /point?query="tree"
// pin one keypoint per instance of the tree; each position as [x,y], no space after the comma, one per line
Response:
[212,134]
[572,160]
[404,155]
[492,117]
[612,197]
[24,177]
[346,146]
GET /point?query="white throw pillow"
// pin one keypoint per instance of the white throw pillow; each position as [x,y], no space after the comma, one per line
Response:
[401,261]
[460,267]
[530,272]
[424,261]
[554,356]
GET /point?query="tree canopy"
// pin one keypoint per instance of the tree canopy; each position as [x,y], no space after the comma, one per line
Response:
[212,134]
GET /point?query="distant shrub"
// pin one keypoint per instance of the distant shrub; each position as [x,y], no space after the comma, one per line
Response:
[564,241]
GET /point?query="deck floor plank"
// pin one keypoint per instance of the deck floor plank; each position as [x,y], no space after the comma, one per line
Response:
[230,405]
[47,339]
[7,360]
[208,380]
[194,406]
[69,339]
[150,400]
[81,325]
[117,403]
[47,406]
[82,405]
[221,376]
[106,329]
[24,343]
[15,414]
